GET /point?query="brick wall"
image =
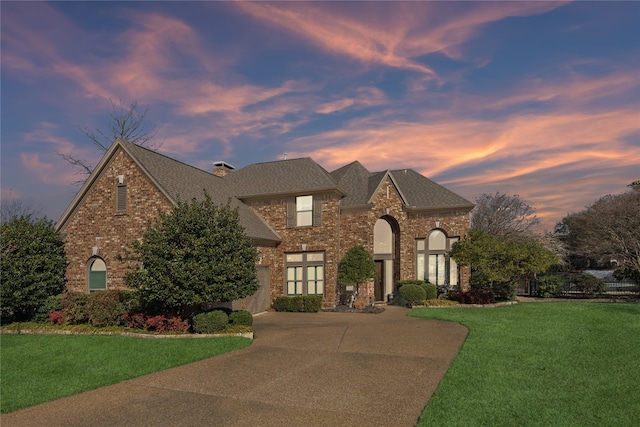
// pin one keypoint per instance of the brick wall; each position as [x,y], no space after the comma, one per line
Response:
[357,228]
[320,238]
[96,224]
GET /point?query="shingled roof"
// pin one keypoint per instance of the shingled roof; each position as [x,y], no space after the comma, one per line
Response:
[179,181]
[284,177]
[417,191]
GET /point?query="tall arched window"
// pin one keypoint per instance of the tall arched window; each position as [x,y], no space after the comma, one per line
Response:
[433,264]
[97,274]
[382,237]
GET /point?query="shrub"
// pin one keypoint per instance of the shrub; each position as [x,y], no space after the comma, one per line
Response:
[157,323]
[241,317]
[210,322]
[550,286]
[53,303]
[357,266]
[56,317]
[476,296]
[75,308]
[32,266]
[588,284]
[431,290]
[401,283]
[107,308]
[164,323]
[412,294]
[300,303]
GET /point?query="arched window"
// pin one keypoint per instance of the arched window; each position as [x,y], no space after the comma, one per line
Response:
[433,264]
[382,237]
[97,274]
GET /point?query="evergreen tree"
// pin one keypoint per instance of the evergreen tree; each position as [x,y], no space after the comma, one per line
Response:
[195,254]
[33,266]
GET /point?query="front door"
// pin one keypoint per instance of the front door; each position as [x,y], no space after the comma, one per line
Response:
[379,281]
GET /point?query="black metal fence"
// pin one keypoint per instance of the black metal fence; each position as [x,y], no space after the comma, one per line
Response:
[612,288]
[529,286]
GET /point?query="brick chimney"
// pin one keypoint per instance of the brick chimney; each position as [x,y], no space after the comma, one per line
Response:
[222,168]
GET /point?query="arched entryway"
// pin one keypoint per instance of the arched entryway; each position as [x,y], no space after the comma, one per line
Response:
[386,254]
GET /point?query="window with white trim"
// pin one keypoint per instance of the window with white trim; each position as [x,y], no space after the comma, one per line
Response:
[304,273]
[304,211]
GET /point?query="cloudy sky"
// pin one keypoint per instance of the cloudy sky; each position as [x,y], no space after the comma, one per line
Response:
[539,99]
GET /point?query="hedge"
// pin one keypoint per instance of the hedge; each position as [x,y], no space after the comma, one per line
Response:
[302,303]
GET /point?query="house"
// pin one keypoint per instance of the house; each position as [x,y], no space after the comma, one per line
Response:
[302,218]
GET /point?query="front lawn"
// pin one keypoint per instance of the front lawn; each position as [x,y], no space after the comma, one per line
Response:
[40,368]
[542,364]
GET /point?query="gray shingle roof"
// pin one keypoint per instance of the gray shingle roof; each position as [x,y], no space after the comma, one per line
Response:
[422,193]
[183,182]
[354,179]
[282,177]
[418,192]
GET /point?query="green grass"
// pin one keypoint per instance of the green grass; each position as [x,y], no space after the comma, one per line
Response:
[40,368]
[541,364]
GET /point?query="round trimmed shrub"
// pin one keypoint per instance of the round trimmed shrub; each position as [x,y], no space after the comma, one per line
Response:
[413,294]
[210,322]
[241,317]
[431,290]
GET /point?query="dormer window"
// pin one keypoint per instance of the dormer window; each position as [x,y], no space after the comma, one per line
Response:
[304,211]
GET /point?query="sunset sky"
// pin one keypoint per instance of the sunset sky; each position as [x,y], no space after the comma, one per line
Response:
[539,99]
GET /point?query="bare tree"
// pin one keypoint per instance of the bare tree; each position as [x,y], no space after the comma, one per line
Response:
[125,122]
[503,215]
[17,208]
[607,230]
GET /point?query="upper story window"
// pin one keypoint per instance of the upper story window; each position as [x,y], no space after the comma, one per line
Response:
[121,195]
[304,211]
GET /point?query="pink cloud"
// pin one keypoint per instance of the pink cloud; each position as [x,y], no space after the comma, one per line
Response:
[391,34]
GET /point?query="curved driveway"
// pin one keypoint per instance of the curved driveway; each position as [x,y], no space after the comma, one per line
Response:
[324,369]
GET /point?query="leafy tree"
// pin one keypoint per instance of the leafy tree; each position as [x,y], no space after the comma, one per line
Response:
[33,266]
[499,262]
[125,122]
[607,230]
[197,253]
[503,215]
[357,266]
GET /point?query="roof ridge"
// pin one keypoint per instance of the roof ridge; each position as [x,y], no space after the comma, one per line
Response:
[157,153]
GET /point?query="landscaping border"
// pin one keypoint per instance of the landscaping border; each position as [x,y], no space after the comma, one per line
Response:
[126,334]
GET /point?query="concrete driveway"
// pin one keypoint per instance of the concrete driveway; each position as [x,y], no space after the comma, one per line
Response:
[303,369]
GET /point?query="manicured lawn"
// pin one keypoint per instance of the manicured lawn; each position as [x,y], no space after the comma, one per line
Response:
[542,364]
[40,368]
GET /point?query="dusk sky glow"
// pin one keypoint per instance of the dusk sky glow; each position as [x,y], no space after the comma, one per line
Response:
[539,99]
